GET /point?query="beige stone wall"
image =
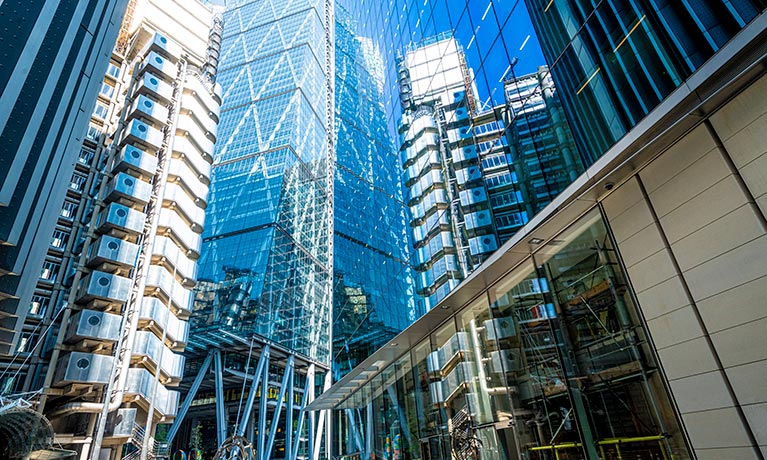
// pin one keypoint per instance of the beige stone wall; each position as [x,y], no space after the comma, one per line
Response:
[691,230]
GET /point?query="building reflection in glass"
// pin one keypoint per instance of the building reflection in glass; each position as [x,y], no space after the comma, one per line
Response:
[552,363]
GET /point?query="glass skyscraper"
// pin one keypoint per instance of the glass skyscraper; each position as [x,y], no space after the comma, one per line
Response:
[270,213]
[373,292]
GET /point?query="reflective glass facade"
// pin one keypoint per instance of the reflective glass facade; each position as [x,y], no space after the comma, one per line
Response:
[266,263]
[615,61]
[601,66]
[551,361]
[373,282]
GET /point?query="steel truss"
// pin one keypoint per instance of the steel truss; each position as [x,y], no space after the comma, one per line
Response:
[240,367]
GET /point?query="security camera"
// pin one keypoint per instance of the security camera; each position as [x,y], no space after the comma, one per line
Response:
[609,185]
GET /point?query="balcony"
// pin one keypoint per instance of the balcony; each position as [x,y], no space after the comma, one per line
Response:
[134,160]
[180,173]
[96,326]
[129,191]
[85,368]
[148,346]
[160,66]
[141,383]
[109,250]
[165,251]
[103,287]
[149,111]
[200,163]
[155,312]
[163,46]
[120,219]
[142,135]
[176,198]
[160,283]
[483,244]
[151,85]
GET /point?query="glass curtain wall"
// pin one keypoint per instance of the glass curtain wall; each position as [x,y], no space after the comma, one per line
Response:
[614,61]
[373,292]
[552,362]
[266,258]
[532,66]
[498,148]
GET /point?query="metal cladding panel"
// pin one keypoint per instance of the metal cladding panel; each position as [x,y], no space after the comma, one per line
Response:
[478,219]
[192,156]
[153,309]
[196,135]
[153,85]
[91,324]
[158,277]
[149,345]
[121,422]
[134,159]
[433,362]
[483,244]
[435,392]
[159,66]
[192,107]
[464,154]
[500,328]
[145,108]
[183,203]
[141,382]
[465,175]
[164,46]
[459,134]
[128,187]
[121,217]
[112,249]
[79,367]
[166,248]
[139,133]
[105,286]
[179,170]
[171,220]
[502,361]
[195,87]
[473,196]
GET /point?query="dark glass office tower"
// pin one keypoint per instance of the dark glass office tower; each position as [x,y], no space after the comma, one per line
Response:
[51,50]
[615,61]
[373,283]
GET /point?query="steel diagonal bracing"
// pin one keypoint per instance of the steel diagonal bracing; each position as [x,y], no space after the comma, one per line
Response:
[190,397]
[287,378]
[262,362]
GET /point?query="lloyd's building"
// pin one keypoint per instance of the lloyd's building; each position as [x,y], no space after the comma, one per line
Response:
[626,319]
